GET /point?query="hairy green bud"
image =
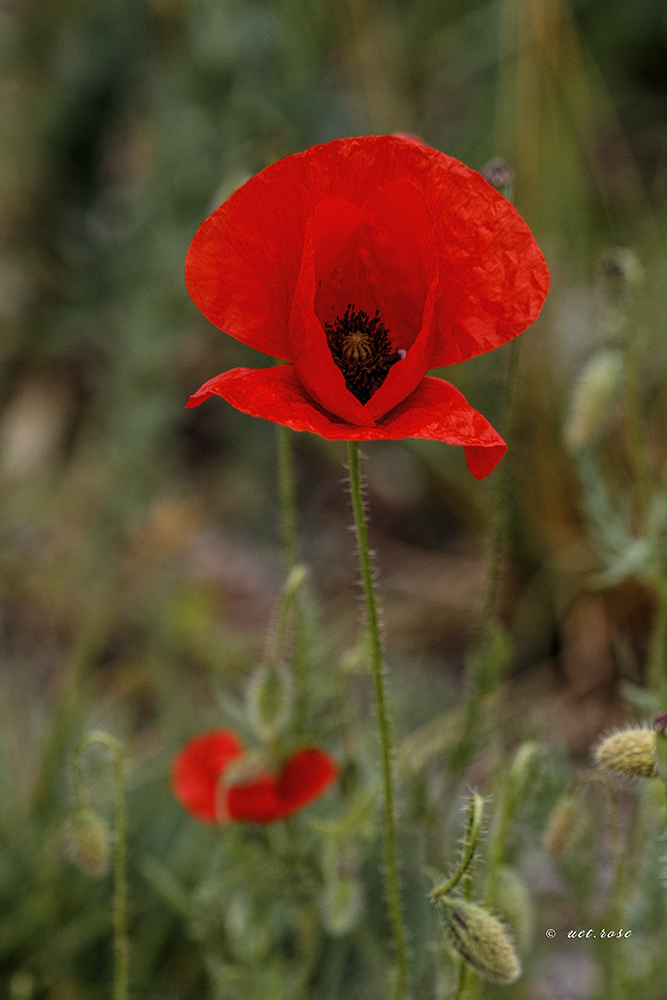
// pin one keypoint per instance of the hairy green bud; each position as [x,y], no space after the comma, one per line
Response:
[630,752]
[269,700]
[515,906]
[480,939]
[341,903]
[89,843]
[594,393]
[560,827]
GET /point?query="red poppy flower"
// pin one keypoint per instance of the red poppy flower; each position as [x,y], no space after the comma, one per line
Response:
[365,263]
[201,768]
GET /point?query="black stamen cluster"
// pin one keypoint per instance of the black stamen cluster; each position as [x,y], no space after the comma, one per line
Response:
[361,348]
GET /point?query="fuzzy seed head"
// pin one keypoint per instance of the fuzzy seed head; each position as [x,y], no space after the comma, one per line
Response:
[480,939]
[629,752]
[560,827]
[89,843]
[592,398]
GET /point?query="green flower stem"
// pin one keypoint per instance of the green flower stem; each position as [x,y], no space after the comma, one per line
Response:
[287,481]
[657,674]
[616,956]
[120,943]
[373,618]
[633,429]
[473,827]
[503,490]
[517,778]
[287,497]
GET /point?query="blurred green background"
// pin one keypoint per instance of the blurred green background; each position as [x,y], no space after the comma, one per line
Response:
[140,543]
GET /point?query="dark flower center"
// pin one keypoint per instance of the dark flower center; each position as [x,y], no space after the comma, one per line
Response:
[362,350]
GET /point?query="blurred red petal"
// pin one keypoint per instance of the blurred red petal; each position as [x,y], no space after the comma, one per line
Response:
[255,802]
[435,410]
[197,769]
[303,778]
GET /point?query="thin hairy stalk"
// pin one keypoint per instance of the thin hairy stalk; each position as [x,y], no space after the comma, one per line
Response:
[120,942]
[633,429]
[657,658]
[473,827]
[386,747]
[617,958]
[286,479]
[287,486]
[499,532]
[503,495]
[517,778]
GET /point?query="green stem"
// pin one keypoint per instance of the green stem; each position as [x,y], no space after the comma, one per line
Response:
[287,497]
[517,778]
[503,491]
[287,481]
[616,956]
[633,430]
[373,618]
[120,942]
[473,827]
[657,674]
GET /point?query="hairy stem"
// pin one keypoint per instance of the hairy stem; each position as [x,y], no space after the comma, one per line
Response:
[386,748]
[120,942]
[287,486]
[287,497]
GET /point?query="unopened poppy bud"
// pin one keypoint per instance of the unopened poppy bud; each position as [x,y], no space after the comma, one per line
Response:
[630,752]
[622,273]
[89,843]
[269,700]
[515,906]
[498,173]
[341,904]
[480,939]
[594,393]
[560,827]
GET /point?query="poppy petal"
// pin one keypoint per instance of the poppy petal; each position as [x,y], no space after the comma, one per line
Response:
[197,769]
[434,410]
[255,802]
[303,778]
[244,262]
[335,227]
[382,257]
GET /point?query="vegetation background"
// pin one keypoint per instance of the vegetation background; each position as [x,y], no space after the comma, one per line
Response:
[140,543]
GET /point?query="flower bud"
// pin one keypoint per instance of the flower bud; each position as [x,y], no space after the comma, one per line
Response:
[592,398]
[561,826]
[341,903]
[480,939]
[269,700]
[515,906]
[89,843]
[498,173]
[629,752]
[622,274]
